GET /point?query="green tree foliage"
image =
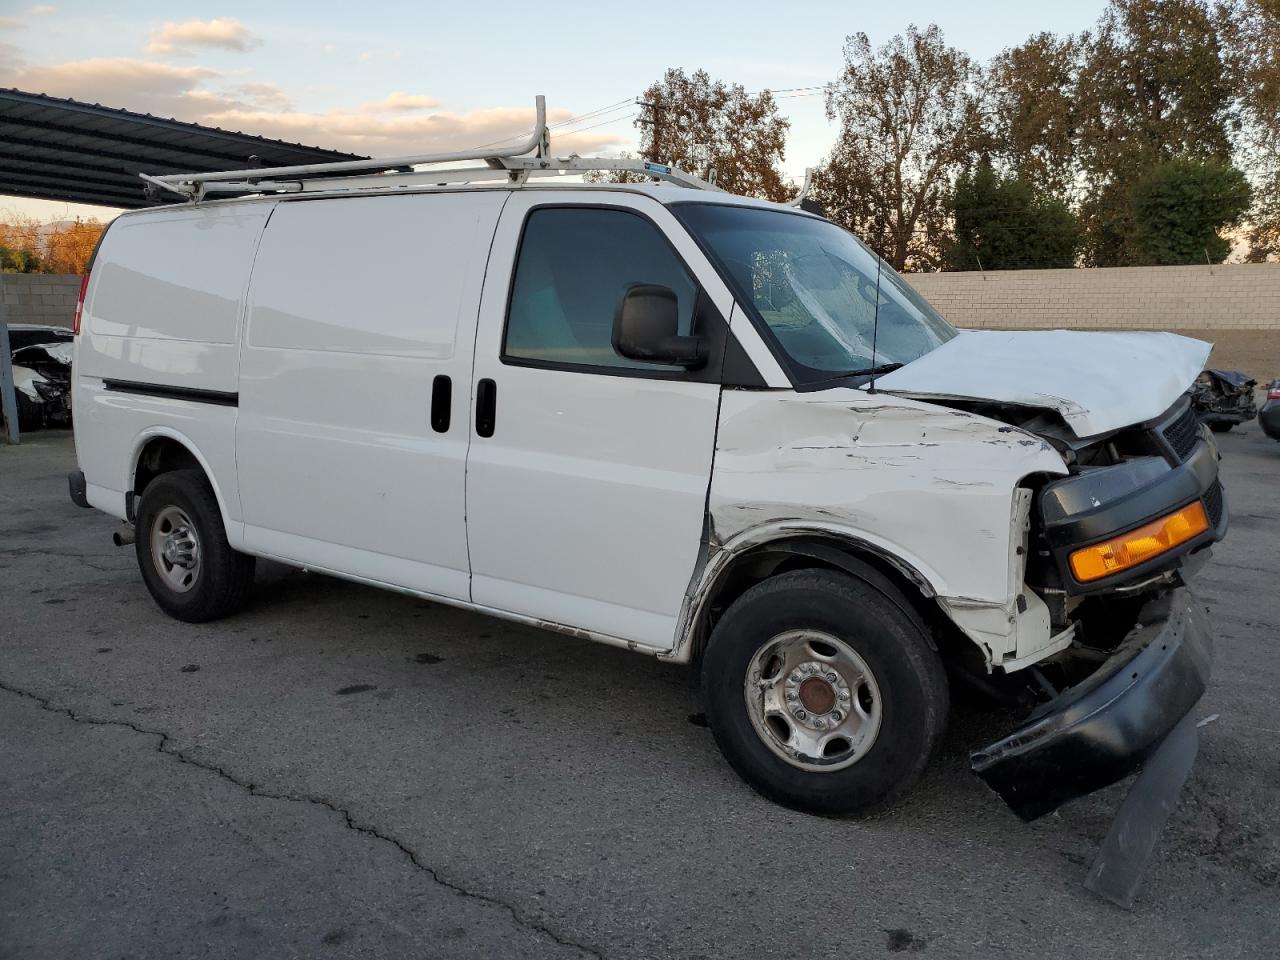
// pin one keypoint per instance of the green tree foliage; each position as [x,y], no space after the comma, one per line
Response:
[1180,207]
[910,115]
[1153,85]
[19,260]
[1001,224]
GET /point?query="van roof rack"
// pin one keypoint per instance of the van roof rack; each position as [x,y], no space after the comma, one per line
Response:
[515,165]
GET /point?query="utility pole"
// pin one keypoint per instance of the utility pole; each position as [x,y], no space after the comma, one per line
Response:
[654,120]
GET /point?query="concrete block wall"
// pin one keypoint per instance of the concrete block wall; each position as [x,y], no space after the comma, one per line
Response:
[39,298]
[1221,297]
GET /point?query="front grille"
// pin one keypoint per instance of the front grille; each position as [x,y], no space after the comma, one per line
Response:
[1213,504]
[1183,433]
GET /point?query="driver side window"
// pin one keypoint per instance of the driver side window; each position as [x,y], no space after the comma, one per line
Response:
[573,266]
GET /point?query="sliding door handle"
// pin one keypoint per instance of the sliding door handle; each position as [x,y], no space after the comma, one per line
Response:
[441,403]
[486,406]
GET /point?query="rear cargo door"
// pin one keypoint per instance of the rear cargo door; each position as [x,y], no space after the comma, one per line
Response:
[354,392]
[588,472]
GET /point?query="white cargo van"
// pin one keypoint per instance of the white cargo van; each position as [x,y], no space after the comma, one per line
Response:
[707,428]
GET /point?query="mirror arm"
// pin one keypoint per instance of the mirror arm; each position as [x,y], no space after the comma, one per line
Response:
[689,351]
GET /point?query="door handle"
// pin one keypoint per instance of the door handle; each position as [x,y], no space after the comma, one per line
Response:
[486,406]
[441,403]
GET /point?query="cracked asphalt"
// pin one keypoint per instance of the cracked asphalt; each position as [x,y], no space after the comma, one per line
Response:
[345,772]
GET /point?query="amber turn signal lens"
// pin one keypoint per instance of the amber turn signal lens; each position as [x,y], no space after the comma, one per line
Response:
[1138,546]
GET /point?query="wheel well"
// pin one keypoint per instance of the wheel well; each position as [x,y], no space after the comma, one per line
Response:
[161,455]
[770,559]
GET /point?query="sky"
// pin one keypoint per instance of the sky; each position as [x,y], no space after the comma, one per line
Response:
[394,78]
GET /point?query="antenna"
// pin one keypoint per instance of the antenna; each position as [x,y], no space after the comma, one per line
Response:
[875,327]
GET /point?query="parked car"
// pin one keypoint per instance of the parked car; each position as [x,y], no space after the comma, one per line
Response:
[706,428]
[22,335]
[1223,398]
[41,356]
[1269,415]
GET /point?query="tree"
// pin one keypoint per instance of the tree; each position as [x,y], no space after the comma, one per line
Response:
[1264,220]
[1034,110]
[910,116]
[699,125]
[29,246]
[18,260]
[1250,31]
[1001,224]
[21,246]
[1180,207]
[1153,86]
[69,245]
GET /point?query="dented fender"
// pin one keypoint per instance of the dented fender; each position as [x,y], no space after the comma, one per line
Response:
[933,490]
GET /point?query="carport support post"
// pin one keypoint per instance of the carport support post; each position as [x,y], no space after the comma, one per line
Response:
[8,397]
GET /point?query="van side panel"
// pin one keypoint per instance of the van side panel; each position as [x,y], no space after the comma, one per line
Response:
[357,306]
[163,311]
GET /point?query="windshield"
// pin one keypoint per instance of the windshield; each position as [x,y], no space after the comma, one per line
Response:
[814,286]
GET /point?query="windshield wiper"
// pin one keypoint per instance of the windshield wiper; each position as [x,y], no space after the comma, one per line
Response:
[839,377]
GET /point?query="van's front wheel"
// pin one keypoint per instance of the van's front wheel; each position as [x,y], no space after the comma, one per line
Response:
[823,693]
[183,553]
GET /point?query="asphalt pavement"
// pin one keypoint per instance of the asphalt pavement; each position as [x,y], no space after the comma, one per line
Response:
[345,772]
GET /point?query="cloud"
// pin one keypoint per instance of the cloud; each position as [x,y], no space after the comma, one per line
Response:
[43,10]
[398,124]
[399,101]
[139,85]
[266,96]
[228,33]
[11,23]
[396,135]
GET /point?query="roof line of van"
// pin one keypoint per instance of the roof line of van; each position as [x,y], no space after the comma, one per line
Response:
[663,193]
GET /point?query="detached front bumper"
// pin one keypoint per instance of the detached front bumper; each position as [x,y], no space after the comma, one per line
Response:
[1099,731]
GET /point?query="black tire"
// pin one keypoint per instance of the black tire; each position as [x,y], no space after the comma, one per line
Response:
[873,621]
[225,576]
[1221,426]
[30,413]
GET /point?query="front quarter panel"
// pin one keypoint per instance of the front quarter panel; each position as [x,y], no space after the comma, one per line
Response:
[933,488]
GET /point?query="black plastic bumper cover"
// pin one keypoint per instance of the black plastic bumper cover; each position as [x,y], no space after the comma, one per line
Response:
[1101,730]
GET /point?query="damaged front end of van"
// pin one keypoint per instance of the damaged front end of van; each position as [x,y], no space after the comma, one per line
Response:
[1110,548]
[1050,509]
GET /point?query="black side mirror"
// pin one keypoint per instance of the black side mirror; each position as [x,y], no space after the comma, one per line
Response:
[646,327]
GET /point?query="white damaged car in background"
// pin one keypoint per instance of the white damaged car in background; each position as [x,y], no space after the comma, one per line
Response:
[41,357]
[707,428]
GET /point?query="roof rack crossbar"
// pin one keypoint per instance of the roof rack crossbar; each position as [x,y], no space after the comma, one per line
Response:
[515,165]
[537,140]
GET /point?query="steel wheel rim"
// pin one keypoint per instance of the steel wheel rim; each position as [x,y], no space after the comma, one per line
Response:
[175,549]
[813,700]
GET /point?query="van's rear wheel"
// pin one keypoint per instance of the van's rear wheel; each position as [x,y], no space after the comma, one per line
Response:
[823,693]
[181,544]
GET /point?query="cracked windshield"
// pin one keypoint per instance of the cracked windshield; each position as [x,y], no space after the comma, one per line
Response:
[814,286]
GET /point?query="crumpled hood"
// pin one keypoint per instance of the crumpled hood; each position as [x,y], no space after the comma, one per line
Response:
[1098,382]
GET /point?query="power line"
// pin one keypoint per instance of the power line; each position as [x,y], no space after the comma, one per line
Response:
[599,111]
[604,123]
[583,116]
[781,93]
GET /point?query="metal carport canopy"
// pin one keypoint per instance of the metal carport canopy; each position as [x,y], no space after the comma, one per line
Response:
[56,149]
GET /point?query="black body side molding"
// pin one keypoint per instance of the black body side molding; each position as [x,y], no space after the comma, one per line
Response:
[221,398]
